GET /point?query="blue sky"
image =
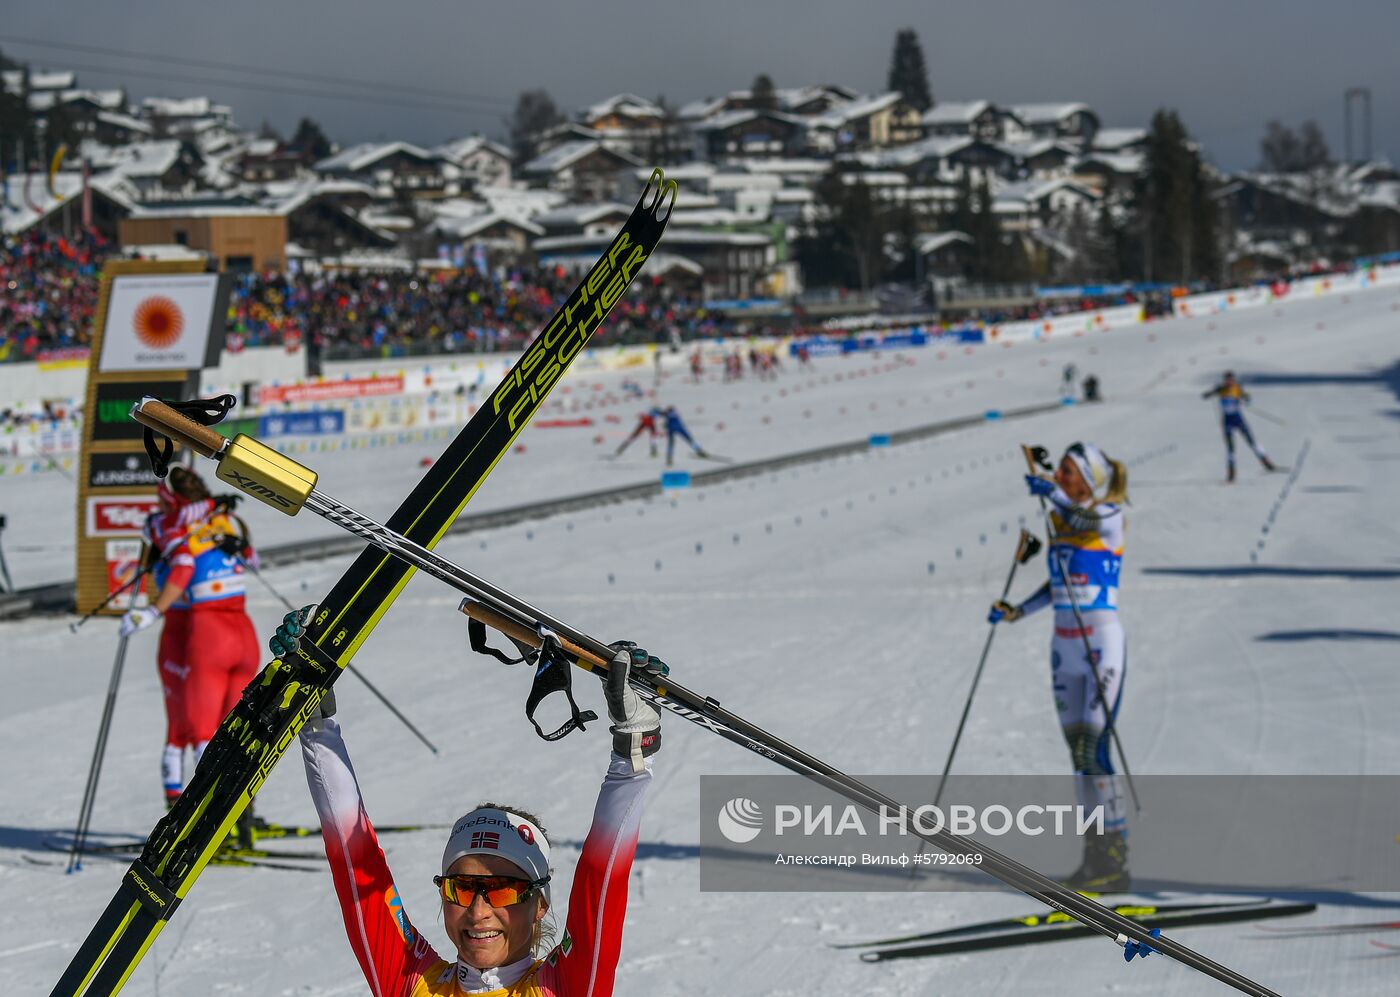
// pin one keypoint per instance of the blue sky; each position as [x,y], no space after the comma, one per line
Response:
[1227,66]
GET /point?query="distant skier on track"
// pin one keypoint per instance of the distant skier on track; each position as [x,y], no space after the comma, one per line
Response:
[208,649]
[1232,399]
[675,427]
[1086,551]
[495,873]
[646,423]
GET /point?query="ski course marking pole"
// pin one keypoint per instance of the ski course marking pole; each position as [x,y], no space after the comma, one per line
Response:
[1032,463]
[511,615]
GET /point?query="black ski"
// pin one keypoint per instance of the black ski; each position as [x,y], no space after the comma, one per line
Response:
[1137,911]
[1011,938]
[275,705]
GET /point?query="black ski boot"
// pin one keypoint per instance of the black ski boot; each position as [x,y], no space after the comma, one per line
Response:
[246,831]
[1105,866]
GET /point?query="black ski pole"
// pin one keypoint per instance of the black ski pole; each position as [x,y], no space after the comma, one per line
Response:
[5,568]
[73,627]
[75,857]
[1027,547]
[350,667]
[1037,457]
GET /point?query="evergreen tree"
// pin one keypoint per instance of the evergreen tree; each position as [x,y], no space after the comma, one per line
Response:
[535,113]
[908,74]
[16,122]
[310,141]
[763,95]
[1175,206]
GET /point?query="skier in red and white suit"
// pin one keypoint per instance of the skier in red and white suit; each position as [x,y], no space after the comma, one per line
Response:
[208,648]
[494,886]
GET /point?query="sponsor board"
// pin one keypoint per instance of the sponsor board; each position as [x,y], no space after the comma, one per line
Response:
[123,561]
[112,406]
[163,322]
[122,470]
[118,515]
[319,423]
[350,387]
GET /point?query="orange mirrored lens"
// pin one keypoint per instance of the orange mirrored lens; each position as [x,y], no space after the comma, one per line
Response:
[499,891]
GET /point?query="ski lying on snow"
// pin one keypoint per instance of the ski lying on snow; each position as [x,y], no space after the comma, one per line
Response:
[276,703]
[1010,938]
[1137,911]
[1360,927]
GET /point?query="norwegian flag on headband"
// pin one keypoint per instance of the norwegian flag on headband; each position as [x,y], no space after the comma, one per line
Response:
[485,839]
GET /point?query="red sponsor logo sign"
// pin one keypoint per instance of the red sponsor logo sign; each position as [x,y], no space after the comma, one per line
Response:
[354,387]
[123,561]
[118,515]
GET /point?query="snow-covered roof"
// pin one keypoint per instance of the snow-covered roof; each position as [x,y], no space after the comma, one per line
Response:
[580,214]
[1123,163]
[728,119]
[182,107]
[561,157]
[1031,148]
[107,100]
[1116,139]
[937,147]
[125,121]
[938,240]
[520,202]
[843,114]
[137,159]
[468,226]
[363,155]
[628,104]
[955,112]
[1014,196]
[39,80]
[1049,113]
[876,178]
[285,196]
[16,214]
[459,150]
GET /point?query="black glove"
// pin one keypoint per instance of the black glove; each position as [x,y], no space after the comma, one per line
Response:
[636,726]
[228,501]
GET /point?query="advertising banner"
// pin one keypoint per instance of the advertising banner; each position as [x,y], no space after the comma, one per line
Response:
[351,387]
[118,515]
[163,322]
[316,423]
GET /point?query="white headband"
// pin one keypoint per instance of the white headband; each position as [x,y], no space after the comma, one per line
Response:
[488,831]
[1094,466]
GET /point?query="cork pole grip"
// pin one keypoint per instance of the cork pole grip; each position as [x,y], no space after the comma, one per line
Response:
[512,629]
[155,414]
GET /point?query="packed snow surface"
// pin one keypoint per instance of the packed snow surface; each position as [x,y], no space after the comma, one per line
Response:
[841,604]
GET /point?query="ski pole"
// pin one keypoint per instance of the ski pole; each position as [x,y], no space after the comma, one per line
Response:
[1265,415]
[1037,458]
[350,667]
[291,487]
[75,857]
[73,627]
[1026,548]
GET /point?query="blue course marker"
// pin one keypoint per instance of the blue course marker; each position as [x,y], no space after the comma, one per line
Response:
[992,414]
[675,479]
[879,439]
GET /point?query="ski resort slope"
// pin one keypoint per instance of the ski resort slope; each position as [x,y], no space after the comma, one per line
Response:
[841,604]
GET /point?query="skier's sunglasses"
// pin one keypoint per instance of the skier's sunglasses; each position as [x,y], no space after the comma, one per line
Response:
[499,891]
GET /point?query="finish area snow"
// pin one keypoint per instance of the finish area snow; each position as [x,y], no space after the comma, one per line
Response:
[842,605]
